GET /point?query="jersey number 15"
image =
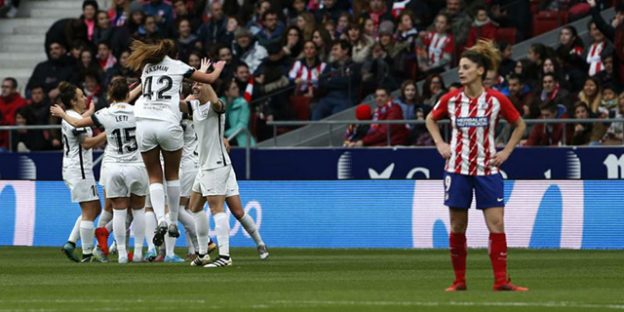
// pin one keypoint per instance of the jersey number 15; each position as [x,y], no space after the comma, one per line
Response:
[128,137]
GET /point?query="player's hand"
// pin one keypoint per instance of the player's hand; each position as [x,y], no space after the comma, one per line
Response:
[444,149]
[592,3]
[500,158]
[227,145]
[57,111]
[90,109]
[204,65]
[219,65]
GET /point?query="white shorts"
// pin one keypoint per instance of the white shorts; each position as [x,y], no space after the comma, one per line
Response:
[82,190]
[124,179]
[218,181]
[188,172]
[102,181]
[152,133]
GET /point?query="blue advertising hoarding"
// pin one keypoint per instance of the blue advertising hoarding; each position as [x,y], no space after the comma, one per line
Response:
[361,214]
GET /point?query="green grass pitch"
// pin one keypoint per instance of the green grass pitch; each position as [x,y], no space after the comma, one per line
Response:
[42,279]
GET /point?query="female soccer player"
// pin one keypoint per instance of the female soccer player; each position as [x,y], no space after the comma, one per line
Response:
[126,178]
[158,123]
[77,168]
[472,161]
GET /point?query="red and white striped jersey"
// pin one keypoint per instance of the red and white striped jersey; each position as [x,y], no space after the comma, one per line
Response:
[309,75]
[437,45]
[473,121]
[594,58]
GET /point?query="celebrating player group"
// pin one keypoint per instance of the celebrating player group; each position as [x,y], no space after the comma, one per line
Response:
[165,159]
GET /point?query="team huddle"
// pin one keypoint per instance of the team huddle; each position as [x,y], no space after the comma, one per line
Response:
[176,125]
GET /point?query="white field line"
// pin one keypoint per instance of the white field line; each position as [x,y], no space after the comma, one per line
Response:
[449,303]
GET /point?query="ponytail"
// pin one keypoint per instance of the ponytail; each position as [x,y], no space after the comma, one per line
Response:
[67,93]
[145,53]
[484,54]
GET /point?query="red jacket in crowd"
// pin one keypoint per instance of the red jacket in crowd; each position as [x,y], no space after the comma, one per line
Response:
[485,31]
[377,135]
[9,105]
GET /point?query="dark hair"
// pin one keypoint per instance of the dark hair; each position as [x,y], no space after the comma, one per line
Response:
[12,80]
[145,53]
[36,86]
[187,87]
[555,78]
[582,104]
[478,8]
[577,39]
[241,64]
[268,12]
[485,55]
[92,3]
[540,49]
[344,44]
[382,88]
[426,90]
[404,86]
[67,93]
[118,89]
[514,76]
[106,43]
[550,106]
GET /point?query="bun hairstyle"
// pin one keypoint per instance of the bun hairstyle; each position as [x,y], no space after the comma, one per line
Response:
[67,93]
[118,89]
[484,54]
[146,53]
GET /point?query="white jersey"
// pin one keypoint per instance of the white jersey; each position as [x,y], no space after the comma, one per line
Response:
[209,126]
[120,125]
[161,84]
[189,151]
[76,160]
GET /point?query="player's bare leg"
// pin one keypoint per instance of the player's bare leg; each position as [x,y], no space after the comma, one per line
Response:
[236,207]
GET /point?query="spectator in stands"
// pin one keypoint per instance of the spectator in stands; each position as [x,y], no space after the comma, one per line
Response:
[194,59]
[377,13]
[361,44]
[355,132]
[292,43]
[214,30]
[613,32]
[93,91]
[272,29]
[459,22]
[553,93]
[339,88]
[549,134]
[377,70]
[306,71]
[323,42]
[38,106]
[536,55]
[237,115]
[343,23]
[482,27]
[150,29]
[295,10]
[103,30]
[65,32]
[522,98]
[187,41]
[599,46]
[89,9]
[255,24]
[570,53]
[119,12]
[408,100]
[406,32]
[10,102]
[608,75]
[525,70]
[329,11]
[433,89]
[181,11]
[609,98]
[436,48]
[591,94]
[369,29]
[507,64]
[494,81]
[247,50]
[272,76]
[27,140]
[87,64]
[306,23]
[551,65]
[137,19]
[615,133]
[378,133]
[162,13]
[9,8]
[582,131]
[105,57]
[49,73]
[245,81]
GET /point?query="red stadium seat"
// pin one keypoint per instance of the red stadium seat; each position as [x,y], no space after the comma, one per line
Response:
[507,35]
[301,106]
[545,21]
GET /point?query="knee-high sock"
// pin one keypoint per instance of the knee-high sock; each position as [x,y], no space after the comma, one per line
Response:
[459,251]
[74,235]
[169,245]
[119,230]
[105,218]
[173,195]
[202,227]
[86,236]
[150,227]
[498,256]
[157,197]
[222,227]
[189,226]
[251,229]
[138,226]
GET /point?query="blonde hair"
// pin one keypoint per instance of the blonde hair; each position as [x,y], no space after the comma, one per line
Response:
[484,54]
[146,53]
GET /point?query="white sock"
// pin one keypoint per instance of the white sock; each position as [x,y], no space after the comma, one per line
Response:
[150,228]
[74,235]
[109,226]
[189,226]
[173,195]
[86,236]
[189,244]
[202,227]
[119,231]
[138,227]
[251,229]
[222,227]
[105,217]
[169,245]
[157,197]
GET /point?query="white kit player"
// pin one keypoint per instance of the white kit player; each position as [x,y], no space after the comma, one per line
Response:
[158,123]
[78,172]
[126,178]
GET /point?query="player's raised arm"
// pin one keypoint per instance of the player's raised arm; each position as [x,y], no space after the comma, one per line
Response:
[57,111]
[91,142]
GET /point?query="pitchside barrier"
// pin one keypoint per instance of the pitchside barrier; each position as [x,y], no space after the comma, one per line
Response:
[572,214]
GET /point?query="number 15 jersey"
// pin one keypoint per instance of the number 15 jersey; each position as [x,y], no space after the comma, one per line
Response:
[161,84]
[119,122]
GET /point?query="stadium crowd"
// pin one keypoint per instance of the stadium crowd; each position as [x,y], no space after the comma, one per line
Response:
[308,59]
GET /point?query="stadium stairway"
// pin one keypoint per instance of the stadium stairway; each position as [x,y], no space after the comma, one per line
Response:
[22,38]
[323,135]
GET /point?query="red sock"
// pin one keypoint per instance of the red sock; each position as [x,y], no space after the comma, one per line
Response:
[457,244]
[498,257]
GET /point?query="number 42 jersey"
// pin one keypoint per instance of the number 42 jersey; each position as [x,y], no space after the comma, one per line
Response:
[119,122]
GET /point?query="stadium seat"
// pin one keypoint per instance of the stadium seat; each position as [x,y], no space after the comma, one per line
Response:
[301,106]
[507,35]
[545,21]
